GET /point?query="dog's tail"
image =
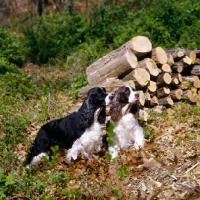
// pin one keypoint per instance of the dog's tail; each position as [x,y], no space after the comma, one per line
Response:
[33,157]
[40,148]
[29,156]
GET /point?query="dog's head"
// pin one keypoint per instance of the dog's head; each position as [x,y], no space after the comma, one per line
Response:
[94,106]
[125,94]
[125,100]
[97,96]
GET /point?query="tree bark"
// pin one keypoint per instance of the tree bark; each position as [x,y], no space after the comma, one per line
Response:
[147,99]
[162,92]
[174,81]
[111,85]
[193,80]
[177,54]
[4,13]
[115,64]
[178,76]
[151,101]
[166,101]
[119,62]
[195,70]
[189,53]
[197,53]
[177,67]
[154,101]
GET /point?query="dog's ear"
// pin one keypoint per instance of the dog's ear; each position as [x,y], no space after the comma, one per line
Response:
[86,118]
[135,110]
[115,111]
[102,116]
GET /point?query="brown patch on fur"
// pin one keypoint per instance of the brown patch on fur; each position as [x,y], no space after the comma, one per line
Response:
[120,100]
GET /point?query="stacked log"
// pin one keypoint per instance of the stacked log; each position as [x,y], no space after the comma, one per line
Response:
[162,76]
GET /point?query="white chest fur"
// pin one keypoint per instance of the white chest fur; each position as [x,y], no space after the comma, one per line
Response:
[87,143]
[128,132]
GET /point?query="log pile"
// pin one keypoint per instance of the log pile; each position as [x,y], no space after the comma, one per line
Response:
[162,76]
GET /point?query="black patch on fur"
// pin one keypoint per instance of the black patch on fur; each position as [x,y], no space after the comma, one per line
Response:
[65,131]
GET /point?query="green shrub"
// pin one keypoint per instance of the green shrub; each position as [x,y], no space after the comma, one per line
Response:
[17,85]
[6,66]
[53,36]
[79,81]
[11,47]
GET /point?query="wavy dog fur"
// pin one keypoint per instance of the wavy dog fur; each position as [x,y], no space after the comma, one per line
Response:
[124,113]
[65,131]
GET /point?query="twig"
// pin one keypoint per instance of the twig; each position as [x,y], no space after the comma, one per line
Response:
[174,177]
[191,168]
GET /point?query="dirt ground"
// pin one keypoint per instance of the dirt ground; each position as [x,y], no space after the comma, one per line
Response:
[168,167]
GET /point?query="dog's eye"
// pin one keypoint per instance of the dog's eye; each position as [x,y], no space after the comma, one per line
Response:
[127,90]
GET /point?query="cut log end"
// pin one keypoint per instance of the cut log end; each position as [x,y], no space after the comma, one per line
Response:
[141,45]
[142,97]
[187,60]
[159,56]
[162,92]
[177,67]
[150,66]
[196,82]
[192,56]
[190,96]
[163,79]
[166,68]
[176,94]
[141,77]
[170,60]
[152,86]
[131,58]
[185,85]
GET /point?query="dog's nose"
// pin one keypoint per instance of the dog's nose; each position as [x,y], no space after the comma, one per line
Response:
[111,97]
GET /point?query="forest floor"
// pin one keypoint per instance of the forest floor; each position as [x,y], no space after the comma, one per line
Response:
[166,168]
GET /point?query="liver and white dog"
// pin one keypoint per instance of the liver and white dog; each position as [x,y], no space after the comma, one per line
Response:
[124,112]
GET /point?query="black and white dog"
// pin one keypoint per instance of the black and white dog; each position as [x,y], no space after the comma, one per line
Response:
[124,114]
[79,132]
